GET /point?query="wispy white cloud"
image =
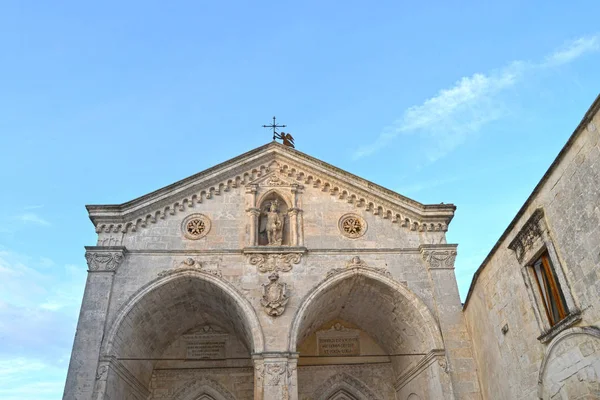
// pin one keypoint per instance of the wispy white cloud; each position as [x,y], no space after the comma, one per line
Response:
[33,218]
[455,113]
[573,50]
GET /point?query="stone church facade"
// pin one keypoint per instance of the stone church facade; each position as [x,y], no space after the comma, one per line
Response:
[277,276]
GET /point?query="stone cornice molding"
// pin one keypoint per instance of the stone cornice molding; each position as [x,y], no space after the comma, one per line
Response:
[439,256]
[243,170]
[411,372]
[104,259]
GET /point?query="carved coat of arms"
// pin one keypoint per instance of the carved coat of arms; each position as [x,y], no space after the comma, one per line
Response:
[274,296]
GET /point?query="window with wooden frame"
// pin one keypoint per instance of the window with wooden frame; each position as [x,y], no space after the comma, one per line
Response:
[549,289]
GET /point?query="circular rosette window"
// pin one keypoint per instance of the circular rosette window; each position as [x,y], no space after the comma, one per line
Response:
[195,226]
[352,226]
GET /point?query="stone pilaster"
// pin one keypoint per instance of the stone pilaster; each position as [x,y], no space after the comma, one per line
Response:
[275,376]
[439,260]
[253,215]
[83,367]
[293,218]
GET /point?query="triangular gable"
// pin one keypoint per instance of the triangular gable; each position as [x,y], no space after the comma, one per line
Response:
[270,164]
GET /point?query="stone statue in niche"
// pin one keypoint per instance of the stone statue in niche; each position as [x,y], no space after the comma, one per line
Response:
[272,223]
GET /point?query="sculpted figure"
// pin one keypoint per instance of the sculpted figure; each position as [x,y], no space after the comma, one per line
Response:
[272,223]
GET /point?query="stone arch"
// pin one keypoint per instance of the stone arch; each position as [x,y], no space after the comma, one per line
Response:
[203,389]
[248,313]
[342,384]
[279,193]
[323,303]
[168,307]
[590,331]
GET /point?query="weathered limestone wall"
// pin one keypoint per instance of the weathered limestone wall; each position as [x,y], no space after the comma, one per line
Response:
[568,363]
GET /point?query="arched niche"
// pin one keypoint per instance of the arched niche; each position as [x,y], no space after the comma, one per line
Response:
[576,350]
[167,308]
[273,201]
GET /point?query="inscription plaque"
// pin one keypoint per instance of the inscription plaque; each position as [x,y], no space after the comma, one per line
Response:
[338,341]
[205,345]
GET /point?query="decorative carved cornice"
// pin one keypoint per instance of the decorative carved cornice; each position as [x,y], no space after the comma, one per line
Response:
[190,264]
[356,263]
[439,256]
[274,262]
[528,234]
[271,159]
[104,259]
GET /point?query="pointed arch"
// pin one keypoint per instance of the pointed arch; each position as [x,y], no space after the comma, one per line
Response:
[242,306]
[203,389]
[342,384]
[396,305]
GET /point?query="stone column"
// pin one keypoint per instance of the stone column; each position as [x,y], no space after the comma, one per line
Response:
[293,217]
[439,260]
[83,367]
[275,376]
[254,214]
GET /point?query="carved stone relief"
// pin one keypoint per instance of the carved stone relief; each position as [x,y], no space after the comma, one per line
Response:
[352,226]
[104,259]
[527,236]
[439,258]
[275,372]
[356,262]
[195,226]
[192,264]
[274,262]
[274,296]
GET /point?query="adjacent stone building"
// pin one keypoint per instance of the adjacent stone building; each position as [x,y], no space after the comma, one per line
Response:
[533,309]
[277,276]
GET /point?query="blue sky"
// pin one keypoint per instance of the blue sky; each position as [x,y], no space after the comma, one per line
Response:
[101,103]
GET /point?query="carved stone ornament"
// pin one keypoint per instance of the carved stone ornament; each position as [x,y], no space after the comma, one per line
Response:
[275,373]
[352,226]
[356,262]
[274,296]
[190,264]
[195,226]
[274,262]
[274,180]
[104,259]
[440,259]
[101,373]
[527,235]
[272,223]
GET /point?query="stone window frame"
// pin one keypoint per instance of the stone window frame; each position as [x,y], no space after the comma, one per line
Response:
[530,243]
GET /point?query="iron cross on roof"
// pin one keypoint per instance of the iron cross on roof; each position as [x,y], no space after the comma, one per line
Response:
[287,139]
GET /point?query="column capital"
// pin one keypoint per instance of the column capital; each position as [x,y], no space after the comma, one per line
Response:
[104,258]
[438,256]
